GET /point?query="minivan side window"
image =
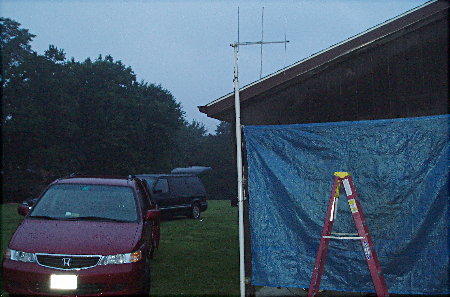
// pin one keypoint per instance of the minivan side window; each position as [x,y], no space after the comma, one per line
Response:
[196,188]
[186,186]
[161,186]
[178,187]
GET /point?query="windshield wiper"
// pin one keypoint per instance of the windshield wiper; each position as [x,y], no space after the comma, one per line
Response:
[87,218]
[94,218]
[45,217]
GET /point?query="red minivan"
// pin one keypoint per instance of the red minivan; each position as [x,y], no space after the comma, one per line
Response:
[84,236]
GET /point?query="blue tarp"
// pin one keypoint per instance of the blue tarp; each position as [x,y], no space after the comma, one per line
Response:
[400,170]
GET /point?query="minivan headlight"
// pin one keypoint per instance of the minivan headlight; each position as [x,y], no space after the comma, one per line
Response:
[121,258]
[20,256]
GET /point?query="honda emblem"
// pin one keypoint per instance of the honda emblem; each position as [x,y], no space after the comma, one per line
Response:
[66,262]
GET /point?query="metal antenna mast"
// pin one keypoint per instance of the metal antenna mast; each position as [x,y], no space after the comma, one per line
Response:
[237,107]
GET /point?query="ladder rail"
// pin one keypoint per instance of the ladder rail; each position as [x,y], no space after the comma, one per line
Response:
[367,244]
[323,246]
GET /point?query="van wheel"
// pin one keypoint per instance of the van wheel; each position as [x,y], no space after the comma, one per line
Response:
[195,211]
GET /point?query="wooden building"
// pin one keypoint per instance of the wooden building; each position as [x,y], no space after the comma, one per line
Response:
[394,70]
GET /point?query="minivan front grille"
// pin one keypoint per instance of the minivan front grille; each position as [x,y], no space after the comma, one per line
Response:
[67,262]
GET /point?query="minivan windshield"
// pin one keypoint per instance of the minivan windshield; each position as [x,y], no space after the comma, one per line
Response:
[87,202]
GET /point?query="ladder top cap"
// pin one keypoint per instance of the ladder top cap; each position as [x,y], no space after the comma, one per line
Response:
[342,174]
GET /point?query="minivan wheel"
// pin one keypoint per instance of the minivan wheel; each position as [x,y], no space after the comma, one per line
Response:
[195,211]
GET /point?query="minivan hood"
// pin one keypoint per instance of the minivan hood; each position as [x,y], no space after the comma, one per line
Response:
[75,237]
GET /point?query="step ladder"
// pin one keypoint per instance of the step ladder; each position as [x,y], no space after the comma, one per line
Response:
[345,179]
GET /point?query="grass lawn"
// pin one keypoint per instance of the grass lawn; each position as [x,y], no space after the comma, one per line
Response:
[195,257]
[9,221]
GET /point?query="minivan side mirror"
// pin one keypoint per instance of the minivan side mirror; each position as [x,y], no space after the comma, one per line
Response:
[23,209]
[152,215]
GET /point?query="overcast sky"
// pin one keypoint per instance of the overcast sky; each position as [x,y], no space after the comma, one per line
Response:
[185,45]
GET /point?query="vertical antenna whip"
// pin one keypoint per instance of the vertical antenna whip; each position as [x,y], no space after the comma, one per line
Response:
[262,40]
[285,43]
[238,25]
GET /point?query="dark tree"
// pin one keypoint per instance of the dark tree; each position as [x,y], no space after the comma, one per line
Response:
[15,46]
[91,117]
[94,117]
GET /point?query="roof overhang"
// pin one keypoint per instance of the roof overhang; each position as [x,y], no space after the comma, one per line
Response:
[224,105]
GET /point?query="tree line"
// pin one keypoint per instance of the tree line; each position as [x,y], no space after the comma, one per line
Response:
[61,116]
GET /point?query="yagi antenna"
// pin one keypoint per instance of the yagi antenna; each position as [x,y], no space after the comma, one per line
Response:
[237,109]
[261,42]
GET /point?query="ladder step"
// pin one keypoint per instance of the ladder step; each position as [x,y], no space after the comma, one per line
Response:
[342,237]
